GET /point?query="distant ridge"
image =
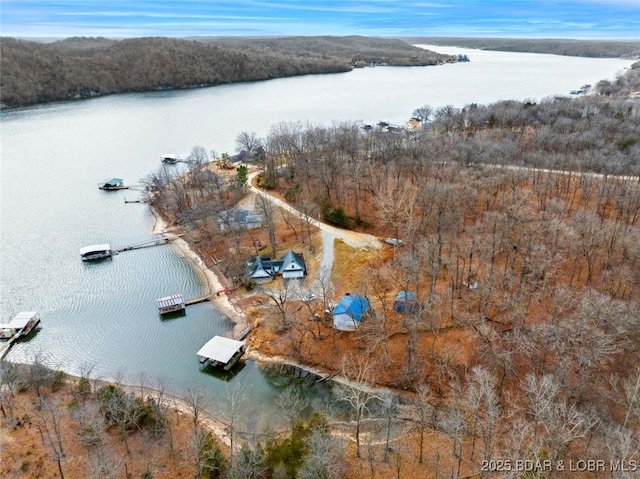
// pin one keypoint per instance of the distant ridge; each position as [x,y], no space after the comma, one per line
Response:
[74,68]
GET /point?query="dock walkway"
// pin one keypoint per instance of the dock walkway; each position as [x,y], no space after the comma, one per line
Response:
[148,244]
[6,346]
[201,299]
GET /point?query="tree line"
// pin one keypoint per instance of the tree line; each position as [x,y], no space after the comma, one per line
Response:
[76,68]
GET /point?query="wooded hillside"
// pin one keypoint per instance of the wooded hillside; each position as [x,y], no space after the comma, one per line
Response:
[85,67]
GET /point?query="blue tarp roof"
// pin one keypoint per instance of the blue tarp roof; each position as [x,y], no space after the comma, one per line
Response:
[113,181]
[405,302]
[405,296]
[353,305]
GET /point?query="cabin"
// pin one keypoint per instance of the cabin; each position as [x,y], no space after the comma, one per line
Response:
[245,156]
[171,304]
[349,311]
[221,352]
[290,266]
[96,251]
[21,325]
[113,184]
[405,302]
[238,219]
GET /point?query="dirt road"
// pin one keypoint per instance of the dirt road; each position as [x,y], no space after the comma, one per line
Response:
[329,233]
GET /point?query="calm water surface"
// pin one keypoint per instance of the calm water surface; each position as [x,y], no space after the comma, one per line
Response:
[104,314]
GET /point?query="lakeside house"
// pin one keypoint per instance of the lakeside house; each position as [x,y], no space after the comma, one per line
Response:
[290,266]
[245,156]
[349,311]
[238,219]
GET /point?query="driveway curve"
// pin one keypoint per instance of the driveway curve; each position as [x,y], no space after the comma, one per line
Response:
[329,232]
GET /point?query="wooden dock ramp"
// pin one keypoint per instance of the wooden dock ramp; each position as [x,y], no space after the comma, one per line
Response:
[201,299]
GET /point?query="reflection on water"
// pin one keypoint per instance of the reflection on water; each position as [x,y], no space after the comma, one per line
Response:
[220,373]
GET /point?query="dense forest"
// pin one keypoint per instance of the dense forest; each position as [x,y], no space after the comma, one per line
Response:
[85,67]
[577,48]
[520,224]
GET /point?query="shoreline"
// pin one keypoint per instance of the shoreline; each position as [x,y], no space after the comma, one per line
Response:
[241,322]
[210,279]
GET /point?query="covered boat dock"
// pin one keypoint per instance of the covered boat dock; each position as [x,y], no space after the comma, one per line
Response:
[221,351]
[20,325]
[171,304]
[96,251]
[113,184]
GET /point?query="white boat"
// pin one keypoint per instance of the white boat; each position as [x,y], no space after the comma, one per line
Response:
[21,325]
[170,158]
[96,251]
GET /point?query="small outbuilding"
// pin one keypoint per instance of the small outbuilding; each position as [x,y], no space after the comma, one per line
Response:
[348,313]
[405,302]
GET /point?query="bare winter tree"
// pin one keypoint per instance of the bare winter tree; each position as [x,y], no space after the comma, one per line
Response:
[248,141]
[104,464]
[388,410]
[291,403]
[123,411]
[395,203]
[230,411]
[9,380]
[424,114]
[325,458]
[49,417]
[280,297]
[268,214]
[91,424]
[248,463]
[356,389]
[197,400]
[424,413]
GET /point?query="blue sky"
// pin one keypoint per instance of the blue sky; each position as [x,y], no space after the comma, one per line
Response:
[503,18]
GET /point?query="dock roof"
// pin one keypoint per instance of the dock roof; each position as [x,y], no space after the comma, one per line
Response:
[20,320]
[95,247]
[113,181]
[168,301]
[220,349]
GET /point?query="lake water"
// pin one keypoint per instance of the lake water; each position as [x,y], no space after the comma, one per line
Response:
[104,314]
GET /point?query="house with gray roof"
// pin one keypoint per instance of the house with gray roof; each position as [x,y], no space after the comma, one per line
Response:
[291,265]
[238,219]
